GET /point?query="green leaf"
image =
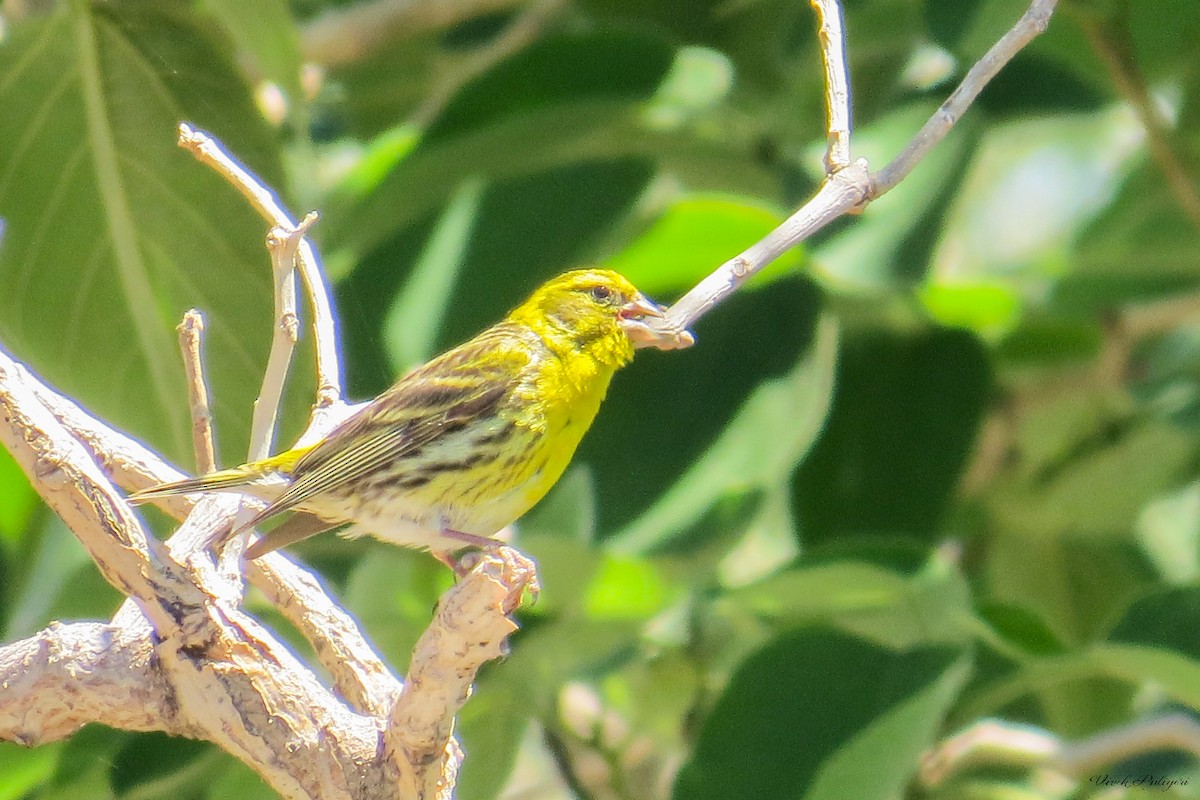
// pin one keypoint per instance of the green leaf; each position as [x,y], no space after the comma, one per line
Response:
[490,729]
[691,235]
[265,30]
[1164,618]
[1075,583]
[1009,224]
[1166,376]
[1162,52]
[948,22]
[238,780]
[566,99]
[1168,530]
[626,588]
[1143,227]
[1021,627]
[17,501]
[699,79]
[89,751]
[597,65]
[54,567]
[881,605]
[113,231]
[670,407]
[1047,341]
[392,592]
[523,230]
[758,449]
[1034,83]
[1175,673]
[902,426]
[1101,482]
[158,764]
[24,769]
[818,714]
[412,323]
[989,309]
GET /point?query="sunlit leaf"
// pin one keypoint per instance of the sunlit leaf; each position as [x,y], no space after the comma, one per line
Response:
[682,244]
[817,714]
[112,231]
[770,434]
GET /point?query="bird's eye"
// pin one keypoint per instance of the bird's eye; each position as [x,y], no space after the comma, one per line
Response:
[601,294]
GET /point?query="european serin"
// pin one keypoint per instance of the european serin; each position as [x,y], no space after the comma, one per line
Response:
[465,444]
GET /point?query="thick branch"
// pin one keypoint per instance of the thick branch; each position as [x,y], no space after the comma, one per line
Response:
[357,671]
[131,464]
[468,630]
[68,675]
[73,486]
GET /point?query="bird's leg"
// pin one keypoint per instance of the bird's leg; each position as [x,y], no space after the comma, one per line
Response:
[482,542]
[447,558]
[462,566]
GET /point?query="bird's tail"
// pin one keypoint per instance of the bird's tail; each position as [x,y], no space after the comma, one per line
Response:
[235,478]
[258,474]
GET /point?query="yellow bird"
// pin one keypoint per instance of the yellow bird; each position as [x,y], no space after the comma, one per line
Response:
[465,444]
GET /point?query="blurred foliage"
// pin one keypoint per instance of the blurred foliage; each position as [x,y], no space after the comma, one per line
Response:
[939,465]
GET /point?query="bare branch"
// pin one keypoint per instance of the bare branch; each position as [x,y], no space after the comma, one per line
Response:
[468,629]
[348,33]
[842,193]
[1032,23]
[191,335]
[357,671]
[852,187]
[832,37]
[1115,52]
[519,33]
[283,244]
[329,371]
[131,464]
[67,675]
[1000,743]
[72,485]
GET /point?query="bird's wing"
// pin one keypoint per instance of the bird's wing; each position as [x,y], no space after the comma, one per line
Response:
[439,399]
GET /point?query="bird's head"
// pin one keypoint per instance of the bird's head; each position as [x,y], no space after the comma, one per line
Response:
[594,310]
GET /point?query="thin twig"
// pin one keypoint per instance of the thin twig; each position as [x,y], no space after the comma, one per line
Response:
[283,244]
[1114,49]
[1000,743]
[831,35]
[329,373]
[517,35]
[853,187]
[842,192]
[191,343]
[348,33]
[1031,24]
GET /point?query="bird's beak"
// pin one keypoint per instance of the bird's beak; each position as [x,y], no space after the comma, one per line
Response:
[633,320]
